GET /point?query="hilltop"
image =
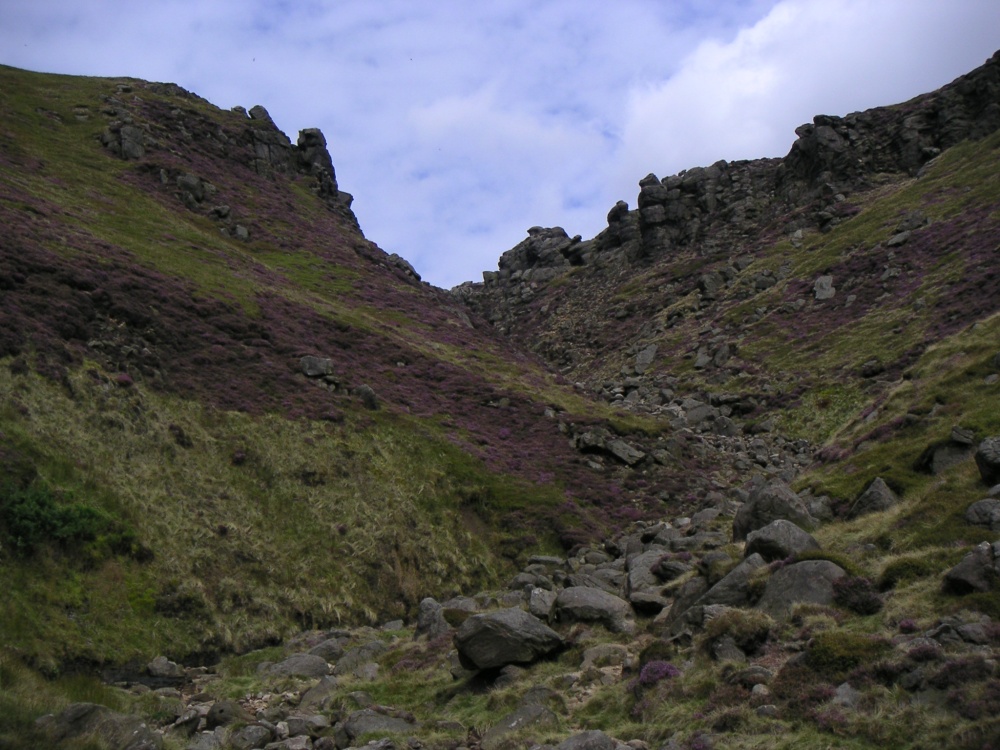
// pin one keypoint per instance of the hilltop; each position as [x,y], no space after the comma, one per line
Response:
[234,430]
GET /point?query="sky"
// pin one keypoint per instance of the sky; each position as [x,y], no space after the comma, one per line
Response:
[457,125]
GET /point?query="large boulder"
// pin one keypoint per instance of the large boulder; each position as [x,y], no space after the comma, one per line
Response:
[507,636]
[977,572]
[988,460]
[585,604]
[733,590]
[770,502]
[810,581]
[876,498]
[779,540]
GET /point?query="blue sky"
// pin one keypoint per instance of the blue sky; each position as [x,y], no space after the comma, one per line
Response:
[458,125]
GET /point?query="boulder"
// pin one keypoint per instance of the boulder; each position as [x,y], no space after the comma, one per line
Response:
[430,619]
[529,715]
[988,460]
[876,498]
[88,720]
[224,713]
[809,581]
[977,572]
[984,512]
[507,636]
[299,665]
[771,502]
[733,590]
[779,540]
[370,721]
[593,739]
[584,604]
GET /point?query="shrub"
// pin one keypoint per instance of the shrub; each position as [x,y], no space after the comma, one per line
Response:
[857,594]
[835,653]
[749,628]
[657,671]
[31,516]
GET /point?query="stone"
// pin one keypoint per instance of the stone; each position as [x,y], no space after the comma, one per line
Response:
[977,572]
[771,502]
[224,713]
[733,589]
[329,650]
[645,358]
[430,619]
[162,667]
[984,512]
[367,396]
[810,581]
[846,696]
[593,739]
[877,497]
[370,721]
[823,288]
[318,696]
[507,636]
[541,603]
[624,452]
[299,665]
[988,460]
[585,604]
[250,737]
[531,715]
[315,367]
[356,660]
[779,540]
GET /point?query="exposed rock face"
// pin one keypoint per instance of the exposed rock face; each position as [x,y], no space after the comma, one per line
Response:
[507,636]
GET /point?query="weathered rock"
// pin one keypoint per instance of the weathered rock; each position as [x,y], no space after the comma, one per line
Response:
[299,665]
[645,358]
[988,460]
[116,731]
[315,367]
[978,571]
[985,512]
[530,715]
[318,696]
[430,619]
[370,721]
[355,660]
[877,497]
[584,604]
[162,667]
[823,288]
[367,396]
[507,636]
[810,581]
[329,650]
[250,737]
[627,454]
[593,739]
[771,502]
[778,540]
[734,588]
[224,713]
[541,603]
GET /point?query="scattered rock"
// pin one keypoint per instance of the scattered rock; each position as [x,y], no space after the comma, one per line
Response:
[810,581]
[877,497]
[771,502]
[988,460]
[779,540]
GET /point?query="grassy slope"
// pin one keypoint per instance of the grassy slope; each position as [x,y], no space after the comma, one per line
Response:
[150,373]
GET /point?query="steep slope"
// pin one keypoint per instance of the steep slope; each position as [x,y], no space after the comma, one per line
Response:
[225,414]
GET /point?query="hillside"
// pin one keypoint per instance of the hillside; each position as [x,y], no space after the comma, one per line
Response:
[229,422]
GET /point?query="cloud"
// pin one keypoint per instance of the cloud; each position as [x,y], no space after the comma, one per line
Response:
[744,98]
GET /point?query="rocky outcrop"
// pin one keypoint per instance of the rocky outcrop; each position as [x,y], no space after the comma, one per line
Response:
[772,501]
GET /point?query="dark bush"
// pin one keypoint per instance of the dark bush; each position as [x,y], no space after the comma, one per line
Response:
[31,516]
